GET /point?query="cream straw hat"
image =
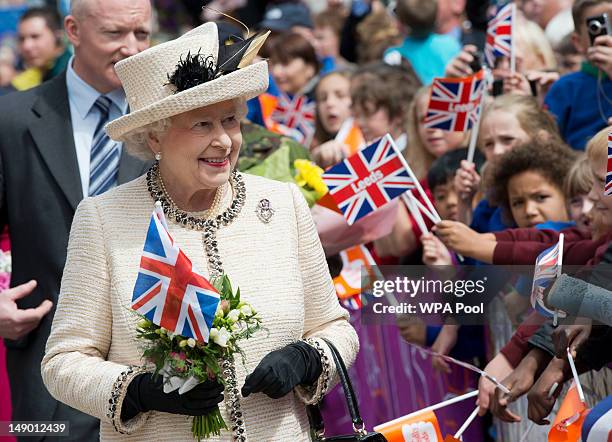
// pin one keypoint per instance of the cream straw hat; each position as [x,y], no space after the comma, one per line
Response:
[145,79]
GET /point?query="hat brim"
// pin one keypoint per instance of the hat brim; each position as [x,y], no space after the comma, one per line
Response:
[246,83]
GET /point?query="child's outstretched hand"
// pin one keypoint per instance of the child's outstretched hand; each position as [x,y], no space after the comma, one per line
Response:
[456,236]
[328,153]
[465,241]
[434,252]
[499,368]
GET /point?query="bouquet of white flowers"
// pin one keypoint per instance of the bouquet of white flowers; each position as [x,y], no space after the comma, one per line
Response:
[185,362]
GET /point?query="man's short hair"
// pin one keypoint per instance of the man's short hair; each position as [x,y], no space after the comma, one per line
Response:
[418,15]
[50,15]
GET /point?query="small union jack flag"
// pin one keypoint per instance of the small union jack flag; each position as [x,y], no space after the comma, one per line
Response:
[454,103]
[169,291]
[547,268]
[608,186]
[368,179]
[296,116]
[499,35]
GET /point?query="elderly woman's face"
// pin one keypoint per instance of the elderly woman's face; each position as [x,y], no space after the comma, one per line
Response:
[201,146]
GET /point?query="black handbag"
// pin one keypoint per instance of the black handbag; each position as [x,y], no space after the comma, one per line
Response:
[316,420]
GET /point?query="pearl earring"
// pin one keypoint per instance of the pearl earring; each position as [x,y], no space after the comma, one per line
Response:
[158,156]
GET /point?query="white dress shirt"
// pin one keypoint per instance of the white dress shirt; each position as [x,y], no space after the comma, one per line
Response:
[82,97]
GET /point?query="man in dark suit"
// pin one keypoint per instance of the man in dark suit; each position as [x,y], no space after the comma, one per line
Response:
[54,152]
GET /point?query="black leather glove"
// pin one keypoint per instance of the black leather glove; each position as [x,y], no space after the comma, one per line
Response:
[281,370]
[146,393]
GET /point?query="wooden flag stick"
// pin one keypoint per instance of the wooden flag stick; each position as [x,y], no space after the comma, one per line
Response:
[432,209]
[467,422]
[430,408]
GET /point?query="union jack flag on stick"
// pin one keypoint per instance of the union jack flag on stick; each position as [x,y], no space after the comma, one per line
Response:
[454,103]
[608,186]
[369,179]
[547,267]
[500,36]
[296,117]
[169,291]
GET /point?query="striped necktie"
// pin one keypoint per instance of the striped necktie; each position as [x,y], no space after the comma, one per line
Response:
[104,157]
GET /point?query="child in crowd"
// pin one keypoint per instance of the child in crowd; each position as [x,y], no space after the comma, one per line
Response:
[326,41]
[380,96]
[522,247]
[333,105]
[528,184]
[293,64]
[376,33]
[569,59]
[465,343]
[578,183]
[424,146]
[427,144]
[507,121]
[580,101]
[427,52]
[294,69]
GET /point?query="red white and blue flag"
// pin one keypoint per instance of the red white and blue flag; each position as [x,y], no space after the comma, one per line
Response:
[547,269]
[169,291]
[296,116]
[499,35]
[454,103]
[368,179]
[608,186]
[597,425]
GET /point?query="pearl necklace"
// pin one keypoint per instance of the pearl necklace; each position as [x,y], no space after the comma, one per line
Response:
[211,211]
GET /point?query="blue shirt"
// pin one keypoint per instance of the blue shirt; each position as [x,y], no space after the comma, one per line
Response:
[82,97]
[487,218]
[428,56]
[575,103]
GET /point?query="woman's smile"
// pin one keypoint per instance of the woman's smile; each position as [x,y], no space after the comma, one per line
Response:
[217,162]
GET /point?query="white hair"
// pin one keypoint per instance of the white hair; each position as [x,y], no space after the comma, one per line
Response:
[137,141]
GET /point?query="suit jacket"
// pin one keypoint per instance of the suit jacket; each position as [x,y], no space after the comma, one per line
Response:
[40,189]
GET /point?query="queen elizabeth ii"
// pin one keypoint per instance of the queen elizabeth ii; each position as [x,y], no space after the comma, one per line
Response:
[187,98]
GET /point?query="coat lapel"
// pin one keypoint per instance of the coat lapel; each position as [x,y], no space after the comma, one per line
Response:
[51,129]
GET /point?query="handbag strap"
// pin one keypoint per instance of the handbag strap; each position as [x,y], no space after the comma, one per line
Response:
[347,386]
[313,411]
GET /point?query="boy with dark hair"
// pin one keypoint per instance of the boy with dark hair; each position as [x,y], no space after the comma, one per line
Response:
[581,101]
[427,52]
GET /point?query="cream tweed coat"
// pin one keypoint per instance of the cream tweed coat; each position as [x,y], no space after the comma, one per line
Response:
[280,269]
